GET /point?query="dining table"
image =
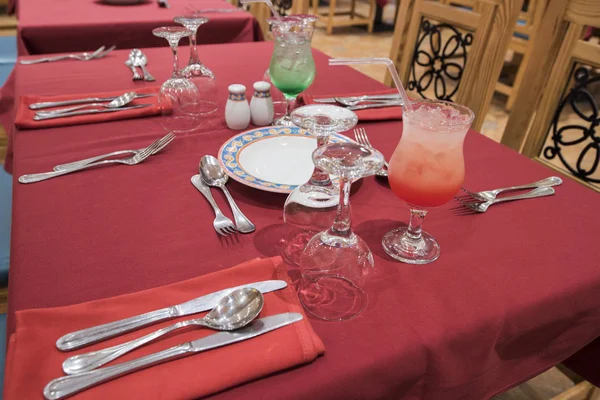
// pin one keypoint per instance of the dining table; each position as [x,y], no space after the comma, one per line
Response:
[515,291]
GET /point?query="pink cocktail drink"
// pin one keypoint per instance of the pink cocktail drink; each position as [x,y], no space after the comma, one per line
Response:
[426,170]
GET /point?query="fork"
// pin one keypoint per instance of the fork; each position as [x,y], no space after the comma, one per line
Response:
[99,53]
[76,164]
[361,137]
[136,75]
[482,207]
[223,225]
[489,195]
[136,159]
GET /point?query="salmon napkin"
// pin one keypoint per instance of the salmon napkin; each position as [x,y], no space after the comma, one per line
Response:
[24,118]
[33,359]
[372,114]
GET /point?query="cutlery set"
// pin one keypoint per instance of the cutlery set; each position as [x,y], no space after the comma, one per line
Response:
[211,174]
[101,52]
[232,312]
[365,102]
[138,59]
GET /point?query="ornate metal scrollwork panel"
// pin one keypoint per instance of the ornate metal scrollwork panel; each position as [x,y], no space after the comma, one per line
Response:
[581,131]
[439,58]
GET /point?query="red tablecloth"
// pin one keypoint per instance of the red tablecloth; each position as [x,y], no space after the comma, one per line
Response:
[515,291]
[49,26]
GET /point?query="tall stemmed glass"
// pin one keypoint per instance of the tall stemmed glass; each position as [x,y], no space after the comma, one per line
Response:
[426,170]
[177,93]
[311,207]
[196,71]
[336,262]
[292,68]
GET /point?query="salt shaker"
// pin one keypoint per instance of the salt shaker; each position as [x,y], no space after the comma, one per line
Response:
[261,105]
[237,110]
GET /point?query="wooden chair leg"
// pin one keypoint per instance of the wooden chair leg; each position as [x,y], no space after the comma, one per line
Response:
[352,8]
[595,395]
[331,16]
[581,391]
[371,17]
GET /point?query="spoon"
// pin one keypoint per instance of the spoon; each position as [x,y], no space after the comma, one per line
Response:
[140,60]
[118,102]
[213,175]
[353,102]
[233,311]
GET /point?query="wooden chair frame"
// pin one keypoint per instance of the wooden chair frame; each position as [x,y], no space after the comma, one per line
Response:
[262,13]
[492,28]
[546,77]
[330,22]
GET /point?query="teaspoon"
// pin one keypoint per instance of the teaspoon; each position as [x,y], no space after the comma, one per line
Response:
[120,101]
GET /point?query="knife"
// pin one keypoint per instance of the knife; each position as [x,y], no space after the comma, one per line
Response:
[68,385]
[39,117]
[378,105]
[390,96]
[48,104]
[87,336]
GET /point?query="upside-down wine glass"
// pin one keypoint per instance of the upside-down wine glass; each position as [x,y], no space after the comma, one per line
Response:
[426,170]
[292,68]
[336,262]
[311,207]
[196,71]
[177,94]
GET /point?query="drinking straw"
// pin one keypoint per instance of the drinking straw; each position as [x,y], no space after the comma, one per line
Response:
[375,60]
[290,38]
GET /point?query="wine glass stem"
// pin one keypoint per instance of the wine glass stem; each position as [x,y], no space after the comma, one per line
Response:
[290,102]
[175,59]
[320,178]
[415,224]
[342,223]
[193,49]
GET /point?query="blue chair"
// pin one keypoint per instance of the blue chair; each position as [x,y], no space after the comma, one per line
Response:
[8,56]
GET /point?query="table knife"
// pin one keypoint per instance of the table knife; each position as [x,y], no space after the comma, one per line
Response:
[98,333]
[68,385]
[378,105]
[390,96]
[48,104]
[39,117]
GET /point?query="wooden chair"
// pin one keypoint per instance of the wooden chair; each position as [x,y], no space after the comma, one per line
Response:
[468,57]
[562,70]
[522,42]
[330,21]
[262,12]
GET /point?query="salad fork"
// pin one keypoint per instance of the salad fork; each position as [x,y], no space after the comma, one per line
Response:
[361,138]
[135,159]
[489,195]
[99,53]
[482,207]
[75,164]
[223,225]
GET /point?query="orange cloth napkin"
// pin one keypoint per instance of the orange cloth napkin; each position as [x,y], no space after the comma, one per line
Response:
[33,359]
[24,118]
[372,114]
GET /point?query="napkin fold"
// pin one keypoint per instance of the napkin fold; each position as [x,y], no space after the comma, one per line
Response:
[33,360]
[372,114]
[24,117]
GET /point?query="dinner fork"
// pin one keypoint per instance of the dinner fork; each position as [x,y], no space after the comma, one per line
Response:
[361,137]
[75,164]
[136,159]
[489,195]
[483,206]
[223,225]
[99,53]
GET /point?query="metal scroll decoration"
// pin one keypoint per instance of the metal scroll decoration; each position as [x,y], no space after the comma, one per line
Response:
[443,67]
[580,102]
[282,6]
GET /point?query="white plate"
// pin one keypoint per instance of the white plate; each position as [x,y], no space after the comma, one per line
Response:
[273,158]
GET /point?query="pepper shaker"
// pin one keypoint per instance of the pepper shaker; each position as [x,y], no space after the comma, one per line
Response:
[261,105]
[237,110]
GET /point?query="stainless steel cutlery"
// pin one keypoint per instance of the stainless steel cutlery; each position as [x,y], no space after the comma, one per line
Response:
[390,97]
[376,105]
[361,137]
[99,53]
[490,195]
[69,385]
[98,333]
[44,116]
[135,59]
[118,102]
[136,75]
[49,104]
[135,159]
[223,225]
[481,207]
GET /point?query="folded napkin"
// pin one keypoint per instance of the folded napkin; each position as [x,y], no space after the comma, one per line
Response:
[33,359]
[24,117]
[372,114]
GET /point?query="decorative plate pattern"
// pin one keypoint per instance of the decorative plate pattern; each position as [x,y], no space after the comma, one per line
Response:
[229,154]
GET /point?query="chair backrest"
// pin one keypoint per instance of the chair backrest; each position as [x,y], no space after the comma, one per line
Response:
[451,53]
[556,115]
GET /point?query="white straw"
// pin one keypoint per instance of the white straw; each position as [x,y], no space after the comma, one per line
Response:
[289,37]
[377,60]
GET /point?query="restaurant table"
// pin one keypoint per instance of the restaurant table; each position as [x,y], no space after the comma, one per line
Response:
[81,25]
[515,291]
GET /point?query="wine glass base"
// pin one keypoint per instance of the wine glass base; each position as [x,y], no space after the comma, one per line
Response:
[332,298]
[283,121]
[398,245]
